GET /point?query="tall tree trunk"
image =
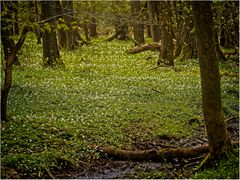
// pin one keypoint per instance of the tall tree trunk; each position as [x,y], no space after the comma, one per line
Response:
[93,27]
[153,8]
[93,24]
[33,17]
[51,54]
[166,54]
[138,26]
[219,142]
[37,19]
[62,37]
[68,7]
[146,20]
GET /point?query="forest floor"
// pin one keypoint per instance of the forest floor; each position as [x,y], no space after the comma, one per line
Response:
[177,168]
[107,97]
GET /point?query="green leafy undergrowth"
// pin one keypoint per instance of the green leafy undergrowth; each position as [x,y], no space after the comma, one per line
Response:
[103,96]
[225,169]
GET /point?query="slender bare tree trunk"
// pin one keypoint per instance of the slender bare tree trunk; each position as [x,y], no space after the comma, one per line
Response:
[68,7]
[153,8]
[37,19]
[93,24]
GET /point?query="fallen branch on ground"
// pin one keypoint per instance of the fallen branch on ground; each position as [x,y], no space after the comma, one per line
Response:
[154,154]
[144,47]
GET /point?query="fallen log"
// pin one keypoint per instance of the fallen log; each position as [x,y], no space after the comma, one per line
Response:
[154,154]
[120,35]
[144,47]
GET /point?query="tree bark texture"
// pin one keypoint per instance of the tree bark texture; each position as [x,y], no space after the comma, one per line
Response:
[219,142]
[153,8]
[138,26]
[166,55]
[51,54]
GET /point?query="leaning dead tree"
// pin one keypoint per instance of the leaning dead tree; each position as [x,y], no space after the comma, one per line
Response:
[144,47]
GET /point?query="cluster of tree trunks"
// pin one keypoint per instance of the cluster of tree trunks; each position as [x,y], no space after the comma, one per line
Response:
[169,17]
[67,38]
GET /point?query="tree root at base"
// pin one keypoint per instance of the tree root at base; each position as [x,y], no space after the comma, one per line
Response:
[154,154]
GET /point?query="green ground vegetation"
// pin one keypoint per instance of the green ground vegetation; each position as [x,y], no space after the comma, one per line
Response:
[103,96]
